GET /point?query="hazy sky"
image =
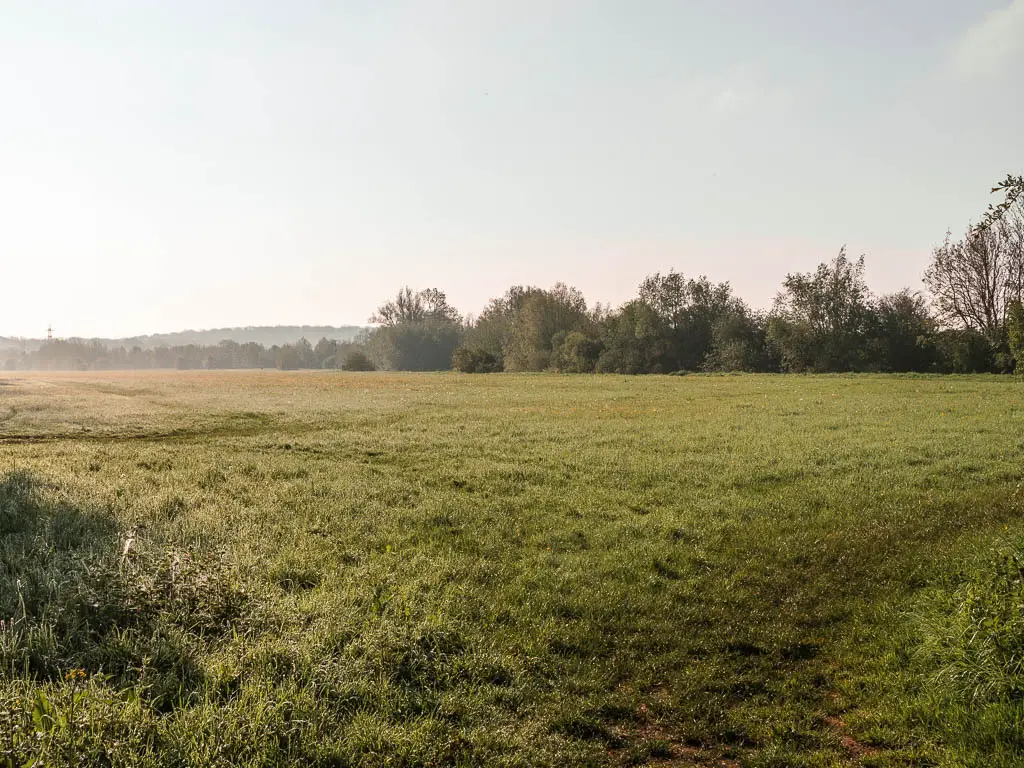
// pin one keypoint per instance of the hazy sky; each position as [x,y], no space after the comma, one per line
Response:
[202,163]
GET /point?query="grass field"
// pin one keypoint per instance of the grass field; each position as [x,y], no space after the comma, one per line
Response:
[261,568]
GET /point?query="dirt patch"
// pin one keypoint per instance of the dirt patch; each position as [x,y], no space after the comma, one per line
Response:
[641,740]
[850,745]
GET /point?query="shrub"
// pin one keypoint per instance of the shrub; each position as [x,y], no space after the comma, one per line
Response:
[964,351]
[473,360]
[357,361]
[574,352]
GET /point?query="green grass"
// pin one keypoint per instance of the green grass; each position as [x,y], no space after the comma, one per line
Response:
[373,569]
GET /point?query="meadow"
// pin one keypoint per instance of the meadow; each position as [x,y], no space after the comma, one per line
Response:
[337,569]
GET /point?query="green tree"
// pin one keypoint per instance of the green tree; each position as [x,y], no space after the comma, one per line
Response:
[574,352]
[689,310]
[490,331]
[635,340]
[964,350]
[427,345]
[535,317]
[821,320]
[418,331]
[739,343]
[1015,333]
[904,334]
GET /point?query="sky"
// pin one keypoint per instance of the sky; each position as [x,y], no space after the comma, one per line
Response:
[209,163]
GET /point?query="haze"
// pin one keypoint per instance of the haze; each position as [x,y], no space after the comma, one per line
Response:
[197,164]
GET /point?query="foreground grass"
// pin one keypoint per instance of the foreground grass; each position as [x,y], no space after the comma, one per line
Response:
[342,569]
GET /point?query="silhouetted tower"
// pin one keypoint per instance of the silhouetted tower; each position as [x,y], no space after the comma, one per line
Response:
[49,332]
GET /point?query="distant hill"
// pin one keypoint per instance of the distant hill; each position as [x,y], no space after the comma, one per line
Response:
[10,342]
[267,335]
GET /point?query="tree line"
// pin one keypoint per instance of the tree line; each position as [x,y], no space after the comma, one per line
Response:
[968,319]
[84,355]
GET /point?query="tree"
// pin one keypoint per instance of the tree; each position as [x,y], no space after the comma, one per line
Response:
[904,334]
[305,354]
[821,319]
[288,358]
[420,346]
[635,340]
[535,317]
[1015,334]
[973,281]
[325,352]
[253,355]
[415,307]
[689,310]
[419,331]
[574,352]
[491,330]
[964,350]
[1013,186]
[739,343]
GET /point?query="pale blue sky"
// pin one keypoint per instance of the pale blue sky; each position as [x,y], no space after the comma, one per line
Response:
[200,163]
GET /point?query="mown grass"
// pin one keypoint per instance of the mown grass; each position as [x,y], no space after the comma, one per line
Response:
[259,568]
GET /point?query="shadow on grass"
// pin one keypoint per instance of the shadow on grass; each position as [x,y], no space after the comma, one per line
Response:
[79,593]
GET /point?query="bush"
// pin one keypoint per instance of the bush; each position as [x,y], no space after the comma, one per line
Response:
[472,360]
[964,351]
[357,361]
[574,352]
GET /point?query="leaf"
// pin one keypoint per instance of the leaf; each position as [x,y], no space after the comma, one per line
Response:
[130,695]
[42,712]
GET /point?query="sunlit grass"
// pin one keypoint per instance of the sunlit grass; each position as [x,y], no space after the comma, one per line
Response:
[376,569]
